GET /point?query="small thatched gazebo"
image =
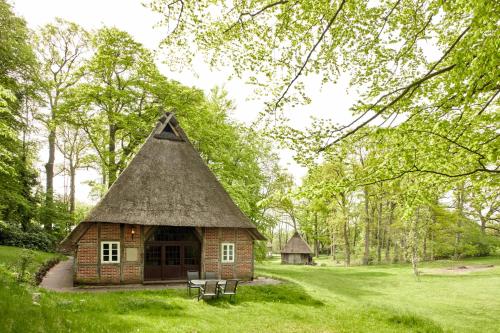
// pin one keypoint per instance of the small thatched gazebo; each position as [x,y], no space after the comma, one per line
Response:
[296,251]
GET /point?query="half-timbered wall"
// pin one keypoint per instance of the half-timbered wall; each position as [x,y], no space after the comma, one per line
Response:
[89,269]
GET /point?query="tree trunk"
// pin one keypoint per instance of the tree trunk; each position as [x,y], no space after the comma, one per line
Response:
[279,237]
[483,224]
[424,246]
[388,233]
[345,229]
[432,246]
[347,247]
[396,252]
[334,248]
[379,233]
[366,255]
[26,214]
[460,207]
[316,238]
[49,183]
[404,248]
[354,238]
[72,185]
[414,245]
[112,167]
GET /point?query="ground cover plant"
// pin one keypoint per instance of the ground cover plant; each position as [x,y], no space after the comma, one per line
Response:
[322,298]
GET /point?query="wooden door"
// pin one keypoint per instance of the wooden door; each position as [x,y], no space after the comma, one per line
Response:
[172,268]
[153,267]
[170,252]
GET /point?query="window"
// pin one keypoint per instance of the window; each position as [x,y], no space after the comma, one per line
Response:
[227,252]
[167,130]
[110,252]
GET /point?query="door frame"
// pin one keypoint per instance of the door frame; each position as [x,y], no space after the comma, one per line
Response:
[183,267]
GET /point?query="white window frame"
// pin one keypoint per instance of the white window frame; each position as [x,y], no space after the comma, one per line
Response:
[229,257]
[110,261]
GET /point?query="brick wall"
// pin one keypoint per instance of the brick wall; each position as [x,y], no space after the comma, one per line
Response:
[132,267]
[89,270]
[242,268]
[88,267]
[86,261]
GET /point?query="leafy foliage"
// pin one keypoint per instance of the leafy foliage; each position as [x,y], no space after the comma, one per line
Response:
[17,175]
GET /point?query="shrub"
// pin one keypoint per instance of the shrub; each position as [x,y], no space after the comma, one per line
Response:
[25,260]
[36,239]
[260,250]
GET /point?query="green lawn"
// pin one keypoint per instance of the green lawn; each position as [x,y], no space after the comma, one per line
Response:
[9,258]
[314,299]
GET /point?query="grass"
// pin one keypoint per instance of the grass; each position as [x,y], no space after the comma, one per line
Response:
[314,299]
[9,258]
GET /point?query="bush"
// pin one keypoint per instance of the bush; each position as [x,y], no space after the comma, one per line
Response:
[260,250]
[36,239]
[25,260]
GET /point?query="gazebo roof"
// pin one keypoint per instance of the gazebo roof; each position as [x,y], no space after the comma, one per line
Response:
[297,245]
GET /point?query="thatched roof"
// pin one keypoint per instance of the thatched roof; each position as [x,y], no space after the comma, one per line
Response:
[168,183]
[297,245]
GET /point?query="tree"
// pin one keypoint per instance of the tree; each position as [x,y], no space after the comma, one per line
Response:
[116,102]
[445,104]
[60,49]
[231,150]
[485,207]
[17,174]
[73,144]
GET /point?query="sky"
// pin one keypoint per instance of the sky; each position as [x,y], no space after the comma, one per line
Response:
[329,101]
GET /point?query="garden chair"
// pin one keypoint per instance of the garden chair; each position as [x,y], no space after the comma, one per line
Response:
[229,288]
[211,276]
[192,275]
[210,289]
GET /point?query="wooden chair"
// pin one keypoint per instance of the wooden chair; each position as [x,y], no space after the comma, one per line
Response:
[210,289]
[229,288]
[211,276]
[192,275]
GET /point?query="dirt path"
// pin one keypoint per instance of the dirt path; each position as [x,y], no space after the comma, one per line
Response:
[459,269]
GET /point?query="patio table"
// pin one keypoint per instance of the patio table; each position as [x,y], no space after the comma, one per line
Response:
[202,282]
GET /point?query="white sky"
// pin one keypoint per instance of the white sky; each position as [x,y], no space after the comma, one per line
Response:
[331,101]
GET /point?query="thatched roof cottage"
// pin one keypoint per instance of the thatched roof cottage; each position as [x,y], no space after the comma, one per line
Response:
[164,215]
[296,251]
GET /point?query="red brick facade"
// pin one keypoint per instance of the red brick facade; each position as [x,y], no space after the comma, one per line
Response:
[242,267]
[89,269]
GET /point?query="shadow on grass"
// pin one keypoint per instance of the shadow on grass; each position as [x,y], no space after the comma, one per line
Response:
[134,305]
[122,303]
[286,293]
[340,282]
[363,274]
[414,323]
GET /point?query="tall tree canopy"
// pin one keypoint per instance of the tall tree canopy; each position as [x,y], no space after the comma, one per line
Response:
[16,87]
[116,98]
[427,68]
[60,49]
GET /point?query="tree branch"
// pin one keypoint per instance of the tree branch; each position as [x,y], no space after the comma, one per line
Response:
[408,89]
[252,15]
[308,57]
[394,101]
